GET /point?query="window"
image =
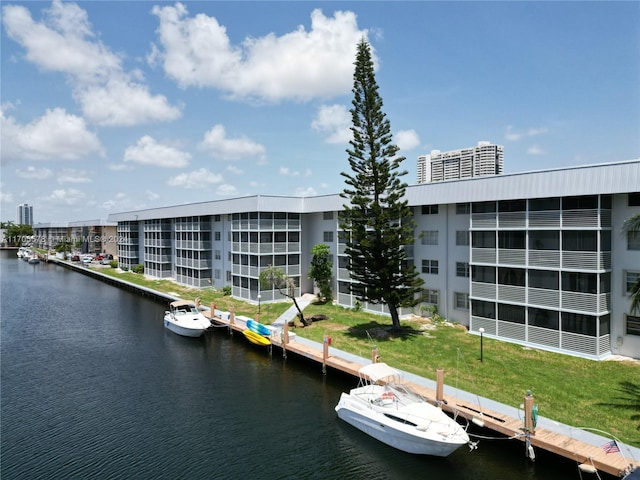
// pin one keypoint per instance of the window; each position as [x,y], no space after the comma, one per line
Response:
[634,199]
[483,239]
[630,279]
[511,313]
[463,208]
[579,323]
[512,205]
[327,237]
[430,266]
[633,240]
[430,237]
[633,325]
[544,240]
[544,279]
[483,274]
[327,216]
[539,317]
[217,236]
[429,209]
[481,308]
[511,240]
[580,241]
[462,269]
[461,300]
[511,276]
[484,207]
[431,296]
[580,203]
[538,204]
[579,282]
[217,255]
[462,237]
[216,274]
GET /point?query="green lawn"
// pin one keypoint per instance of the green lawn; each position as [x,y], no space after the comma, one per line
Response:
[583,393]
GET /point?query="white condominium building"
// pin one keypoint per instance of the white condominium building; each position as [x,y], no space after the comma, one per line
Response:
[483,159]
[24,214]
[538,259]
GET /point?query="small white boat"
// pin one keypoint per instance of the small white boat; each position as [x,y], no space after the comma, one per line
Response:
[33,258]
[184,318]
[387,409]
[21,252]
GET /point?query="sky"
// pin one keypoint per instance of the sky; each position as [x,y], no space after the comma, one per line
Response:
[113,106]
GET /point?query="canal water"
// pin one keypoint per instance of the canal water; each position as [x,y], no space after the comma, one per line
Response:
[94,387]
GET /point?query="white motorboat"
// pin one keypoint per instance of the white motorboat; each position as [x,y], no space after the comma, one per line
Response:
[387,409]
[33,258]
[21,252]
[184,318]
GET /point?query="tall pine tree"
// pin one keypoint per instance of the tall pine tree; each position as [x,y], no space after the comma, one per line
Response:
[377,221]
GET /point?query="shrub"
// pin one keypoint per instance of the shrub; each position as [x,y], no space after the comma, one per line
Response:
[138,268]
[113,264]
[226,290]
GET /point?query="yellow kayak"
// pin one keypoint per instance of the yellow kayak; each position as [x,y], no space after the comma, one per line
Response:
[256,338]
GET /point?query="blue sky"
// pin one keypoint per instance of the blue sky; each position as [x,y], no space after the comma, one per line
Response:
[112,106]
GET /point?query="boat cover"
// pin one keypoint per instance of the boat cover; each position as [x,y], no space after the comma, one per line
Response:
[378,371]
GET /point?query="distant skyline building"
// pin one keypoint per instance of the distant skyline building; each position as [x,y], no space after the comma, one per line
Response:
[484,159]
[24,214]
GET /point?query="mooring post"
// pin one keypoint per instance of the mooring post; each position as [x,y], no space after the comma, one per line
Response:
[325,353]
[232,318]
[528,413]
[439,385]
[285,338]
[374,355]
[213,310]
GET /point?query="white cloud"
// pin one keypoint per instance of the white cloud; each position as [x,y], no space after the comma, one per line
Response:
[151,195]
[70,196]
[226,190]
[120,201]
[535,150]
[5,196]
[301,64]
[200,178]
[334,122]
[34,173]
[69,175]
[64,42]
[235,170]
[515,135]
[124,103]
[406,139]
[149,152]
[218,145]
[287,172]
[56,135]
[305,192]
[118,167]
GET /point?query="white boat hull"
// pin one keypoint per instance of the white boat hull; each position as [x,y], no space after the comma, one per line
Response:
[398,417]
[184,331]
[184,318]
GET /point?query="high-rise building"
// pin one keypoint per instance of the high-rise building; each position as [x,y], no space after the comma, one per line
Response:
[24,214]
[483,159]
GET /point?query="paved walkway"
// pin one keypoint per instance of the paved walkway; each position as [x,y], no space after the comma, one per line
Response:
[585,436]
[292,312]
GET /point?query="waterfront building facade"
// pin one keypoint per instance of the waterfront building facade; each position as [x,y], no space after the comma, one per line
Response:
[24,214]
[535,258]
[85,236]
[483,159]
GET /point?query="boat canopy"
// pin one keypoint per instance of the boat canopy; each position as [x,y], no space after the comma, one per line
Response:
[378,371]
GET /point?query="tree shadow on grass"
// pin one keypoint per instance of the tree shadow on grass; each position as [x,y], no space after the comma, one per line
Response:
[627,400]
[381,332]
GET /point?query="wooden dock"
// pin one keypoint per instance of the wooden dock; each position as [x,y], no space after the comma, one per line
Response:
[590,457]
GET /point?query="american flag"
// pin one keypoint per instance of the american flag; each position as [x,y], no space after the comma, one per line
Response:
[611,447]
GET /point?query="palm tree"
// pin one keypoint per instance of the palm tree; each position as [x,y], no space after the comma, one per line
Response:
[632,224]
